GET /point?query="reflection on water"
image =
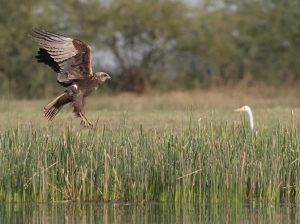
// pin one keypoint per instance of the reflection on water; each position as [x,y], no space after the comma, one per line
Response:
[145,213]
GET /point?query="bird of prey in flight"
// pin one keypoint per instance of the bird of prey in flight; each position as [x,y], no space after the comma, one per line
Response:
[72,61]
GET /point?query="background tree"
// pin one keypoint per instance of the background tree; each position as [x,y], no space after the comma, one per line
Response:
[159,44]
[139,35]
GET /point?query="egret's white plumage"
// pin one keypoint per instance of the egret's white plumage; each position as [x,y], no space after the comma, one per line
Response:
[247,109]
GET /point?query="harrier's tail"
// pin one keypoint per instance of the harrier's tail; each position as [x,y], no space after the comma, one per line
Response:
[52,108]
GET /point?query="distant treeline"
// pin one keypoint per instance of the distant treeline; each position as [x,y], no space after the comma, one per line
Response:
[160,44]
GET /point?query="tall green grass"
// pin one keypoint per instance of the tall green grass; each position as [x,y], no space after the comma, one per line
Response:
[211,162]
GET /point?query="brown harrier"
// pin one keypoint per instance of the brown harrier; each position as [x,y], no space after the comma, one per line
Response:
[71,60]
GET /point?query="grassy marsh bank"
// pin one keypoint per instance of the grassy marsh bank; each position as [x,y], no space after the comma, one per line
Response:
[159,149]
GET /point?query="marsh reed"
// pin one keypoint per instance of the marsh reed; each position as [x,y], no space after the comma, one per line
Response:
[208,163]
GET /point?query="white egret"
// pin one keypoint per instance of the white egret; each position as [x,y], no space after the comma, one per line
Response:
[247,109]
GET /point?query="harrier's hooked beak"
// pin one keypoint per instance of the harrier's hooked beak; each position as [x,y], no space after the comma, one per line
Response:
[239,109]
[108,77]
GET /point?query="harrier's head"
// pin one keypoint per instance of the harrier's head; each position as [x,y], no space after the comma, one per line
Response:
[102,76]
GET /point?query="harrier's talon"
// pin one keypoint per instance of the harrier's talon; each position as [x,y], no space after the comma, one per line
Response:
[85,122]
[88,124]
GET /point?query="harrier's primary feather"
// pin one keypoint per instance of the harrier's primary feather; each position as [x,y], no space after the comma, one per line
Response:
[71,60]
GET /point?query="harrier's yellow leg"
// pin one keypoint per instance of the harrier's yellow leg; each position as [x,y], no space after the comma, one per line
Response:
[85,121]
[90,123]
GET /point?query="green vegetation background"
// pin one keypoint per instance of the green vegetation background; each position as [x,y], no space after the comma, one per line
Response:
[155,44]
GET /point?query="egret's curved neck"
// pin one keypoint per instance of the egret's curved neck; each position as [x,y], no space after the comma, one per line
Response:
[249,112]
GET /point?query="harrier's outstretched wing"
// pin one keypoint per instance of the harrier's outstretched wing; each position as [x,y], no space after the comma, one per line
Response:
[70,58]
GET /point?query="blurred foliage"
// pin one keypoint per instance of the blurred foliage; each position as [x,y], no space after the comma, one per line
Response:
[159,44]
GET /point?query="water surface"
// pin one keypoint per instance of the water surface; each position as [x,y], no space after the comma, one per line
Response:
[146,213]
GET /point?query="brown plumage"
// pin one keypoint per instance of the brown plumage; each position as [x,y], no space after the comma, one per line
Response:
[71,60]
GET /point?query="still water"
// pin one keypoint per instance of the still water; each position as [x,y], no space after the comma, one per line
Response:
[90,213]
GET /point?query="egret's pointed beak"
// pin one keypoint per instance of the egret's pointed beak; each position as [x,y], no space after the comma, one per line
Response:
[239,109]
